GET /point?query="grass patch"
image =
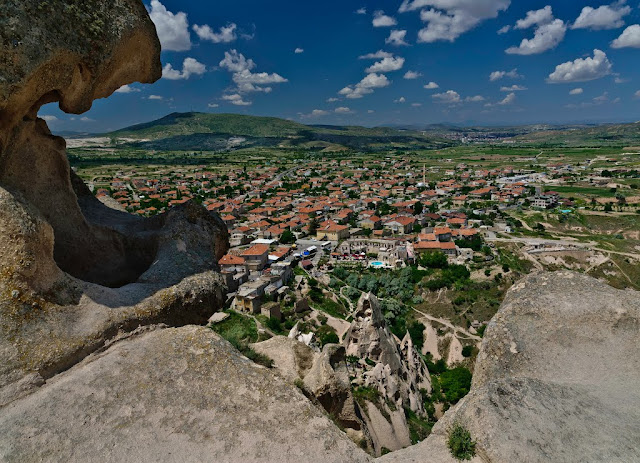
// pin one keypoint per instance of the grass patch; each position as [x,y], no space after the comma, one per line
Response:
[460,443]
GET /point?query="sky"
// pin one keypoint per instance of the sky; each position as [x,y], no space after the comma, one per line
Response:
[386,62]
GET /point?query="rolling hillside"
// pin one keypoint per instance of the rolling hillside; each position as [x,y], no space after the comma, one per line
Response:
[203,131]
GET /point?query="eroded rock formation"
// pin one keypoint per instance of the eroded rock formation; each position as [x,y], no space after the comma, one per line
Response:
[74,272]
[555,379]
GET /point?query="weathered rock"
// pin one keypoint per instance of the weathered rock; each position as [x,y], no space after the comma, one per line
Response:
[324,375]
[399,372]
[555,379]
[181,394]
[75,272]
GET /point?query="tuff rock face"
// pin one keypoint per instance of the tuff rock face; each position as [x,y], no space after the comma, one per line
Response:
[74,272]
[170,395]
[555,379]
[399,372]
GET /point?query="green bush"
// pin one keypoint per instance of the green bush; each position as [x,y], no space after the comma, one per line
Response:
[330,338]
[455,383]
[460,444]
[467,351]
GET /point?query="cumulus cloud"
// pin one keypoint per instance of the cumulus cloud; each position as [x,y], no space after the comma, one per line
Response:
[513,88]
[504,29]
[400,100]
[227,33]
[536,18]
[630,38]
[362,10]
[365,86]
[377,55]
[604,17]
[597,101]
[236,99]
[245,79]
[172,29]
[396,37]
[412,75]
[386,65]
[155,97]
[431,86]
[86,119]
[637,94]
[190,67]
[447,20]
[576,91]
[213,105]
[582,69]
[474,99]
[449,97]
[549,32]
[49,118]
[127,89]
[497,75]
[343,110]
[382,20]
[509,99]
[298,50]
[332,100]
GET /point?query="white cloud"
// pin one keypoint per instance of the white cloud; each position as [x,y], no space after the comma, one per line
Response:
[236,99]
[620,80]
[582,69]
[630,38]
[236,62]
[227,33]
[386,65]
[86,119]
[190,67]
[431,86]
[377,55]
[127,89]
[504,29]
[449,19]
[332,100]
[49,118]
[172,29]
[513,88]
[576,91]
[597,101]
[396,37]
[298,50]
[497,75]
[509,99]
[365,86]
[213,105]
[382,20]
[412,75]
[548,34]
[637,94]
[535,18]
[343,110]
[155,97]
[400,100]
[362,10]
[474,99]
[604,17]
[449,97]
[370,111]
[245,79]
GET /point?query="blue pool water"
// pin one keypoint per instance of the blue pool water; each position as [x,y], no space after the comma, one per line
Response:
[377,263]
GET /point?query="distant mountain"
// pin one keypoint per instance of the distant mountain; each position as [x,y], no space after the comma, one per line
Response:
[204,131]
[599,135]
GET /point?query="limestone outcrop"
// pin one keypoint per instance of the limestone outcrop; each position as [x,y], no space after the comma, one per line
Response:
[555,379]
[75,273]
[169,395]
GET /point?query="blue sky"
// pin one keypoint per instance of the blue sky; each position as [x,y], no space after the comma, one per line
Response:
[461,61]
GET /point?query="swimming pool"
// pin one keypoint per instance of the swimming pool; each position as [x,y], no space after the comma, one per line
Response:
[377,264]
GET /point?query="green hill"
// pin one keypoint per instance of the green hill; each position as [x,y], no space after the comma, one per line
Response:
[203,131]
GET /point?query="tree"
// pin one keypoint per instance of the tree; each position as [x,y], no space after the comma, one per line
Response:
[455,384]
[313,225]
[433,259]
[287,237]
[418,208]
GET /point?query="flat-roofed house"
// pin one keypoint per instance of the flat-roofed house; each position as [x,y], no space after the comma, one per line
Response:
[256,256]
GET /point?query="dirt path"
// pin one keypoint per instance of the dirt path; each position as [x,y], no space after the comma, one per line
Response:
[447,323]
